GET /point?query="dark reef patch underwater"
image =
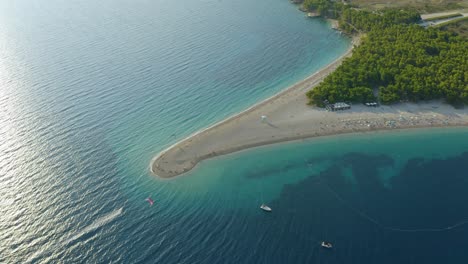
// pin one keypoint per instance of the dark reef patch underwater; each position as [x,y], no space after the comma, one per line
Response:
[419,215]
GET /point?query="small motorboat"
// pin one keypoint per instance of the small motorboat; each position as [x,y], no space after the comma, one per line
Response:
[326,244]
[265,208]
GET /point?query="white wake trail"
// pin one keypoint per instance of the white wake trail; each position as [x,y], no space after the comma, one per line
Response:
[95,225]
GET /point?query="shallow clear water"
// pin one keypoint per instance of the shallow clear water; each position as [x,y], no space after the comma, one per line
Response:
[91,90]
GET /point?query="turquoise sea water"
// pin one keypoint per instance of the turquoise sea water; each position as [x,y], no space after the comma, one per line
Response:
[90,91]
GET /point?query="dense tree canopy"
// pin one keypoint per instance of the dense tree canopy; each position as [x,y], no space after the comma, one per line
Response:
[352,20]
[397,61]
[323,7]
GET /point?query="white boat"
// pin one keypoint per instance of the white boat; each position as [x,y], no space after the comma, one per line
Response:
[265,207]
[326,244]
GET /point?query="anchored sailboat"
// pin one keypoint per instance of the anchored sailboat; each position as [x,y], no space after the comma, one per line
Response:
[265,208]
[326,244]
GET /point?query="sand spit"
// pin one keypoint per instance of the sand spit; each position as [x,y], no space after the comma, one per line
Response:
[288,117]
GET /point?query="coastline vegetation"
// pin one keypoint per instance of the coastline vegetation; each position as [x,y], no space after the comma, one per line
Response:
[397,60]
[460,28]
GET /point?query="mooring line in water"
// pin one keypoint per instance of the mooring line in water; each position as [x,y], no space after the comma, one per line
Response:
[396,229]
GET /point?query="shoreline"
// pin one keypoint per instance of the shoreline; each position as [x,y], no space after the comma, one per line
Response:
[336,134]
[354,41]
[306,137]
[311,78]
[289,118]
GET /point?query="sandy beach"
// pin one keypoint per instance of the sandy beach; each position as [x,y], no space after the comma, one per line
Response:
[288,117]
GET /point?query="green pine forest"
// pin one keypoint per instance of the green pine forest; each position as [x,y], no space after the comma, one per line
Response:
[396,61]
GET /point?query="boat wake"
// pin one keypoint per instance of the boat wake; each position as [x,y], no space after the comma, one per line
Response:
[94,226]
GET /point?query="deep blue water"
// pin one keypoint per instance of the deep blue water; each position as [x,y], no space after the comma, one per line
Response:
[90,91]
